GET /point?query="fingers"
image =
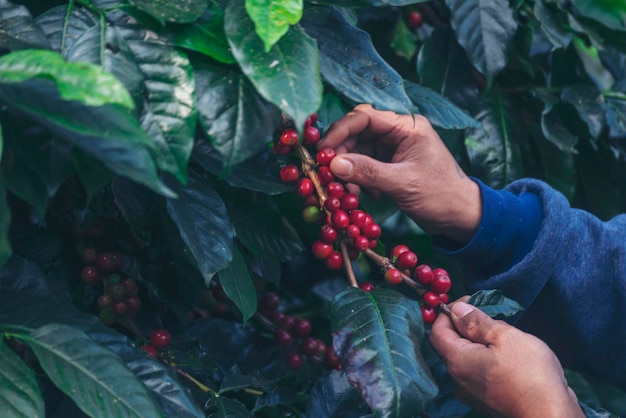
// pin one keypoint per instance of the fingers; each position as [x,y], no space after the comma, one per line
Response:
[367,172]
[476,325]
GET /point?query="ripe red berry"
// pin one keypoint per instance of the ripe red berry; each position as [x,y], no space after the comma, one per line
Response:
[441,284]
[150,350]
[406,260]
[133,303]
[311,120]
[340,219]
[398,249]
[309,346]
[287,322]
[358,217]
[311,135]
[120,308]
[104,263]
[89,255]
[431,299]
[325,175]
[444,297]
[415,20]
[371,231]
[328,233]
[334,261]
[393,276]
[302,328]
[321,249]
[117,260]
[130,285]
[280,149]
[294,361]
[372,244]
[104,301]
[89,275]
[367,286]
[305,187]
[160,338]
[423,274]
[289,137]
[439,271]
[270,301]
[334,188]
[331,360]
[283,337]
[332,203]
[289,173]
[428,314]
[325,156]
[361,243]
[349,201]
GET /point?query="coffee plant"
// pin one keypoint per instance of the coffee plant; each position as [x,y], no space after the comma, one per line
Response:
[172,242]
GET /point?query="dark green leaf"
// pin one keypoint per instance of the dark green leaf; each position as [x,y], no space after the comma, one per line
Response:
[334,397]
[21,275]
[403,40]
[592,64]
[493,149]
[332,110]
[205,35]
[62,29]
[554,29]
[223,407]
[610,13]
[377,336]
[555,131]
[268,270]
[494,303]
[179,11]
[235,379]
[272,18]
[239,122]
[443,67]
[287,75]
[18,29]
[137,204]
[351,64]
[238,285]
[437,109]
[19,392]
[169,114]
[94,377]
[588,102]
[204,225]
[92,173]
[485,29]
[5,222]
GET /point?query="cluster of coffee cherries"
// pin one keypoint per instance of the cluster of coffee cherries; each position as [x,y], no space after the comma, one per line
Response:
[159,340]
[119,295]
[294,334]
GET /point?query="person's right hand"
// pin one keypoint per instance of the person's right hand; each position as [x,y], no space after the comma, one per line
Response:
[402,156]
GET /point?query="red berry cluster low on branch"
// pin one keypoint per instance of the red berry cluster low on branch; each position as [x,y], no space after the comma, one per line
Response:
[346,229]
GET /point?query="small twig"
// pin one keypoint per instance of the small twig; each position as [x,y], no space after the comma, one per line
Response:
[308,166]
[348,264]
[445,308]
[384,263]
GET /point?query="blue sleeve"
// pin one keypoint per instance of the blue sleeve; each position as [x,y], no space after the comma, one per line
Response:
[570,276]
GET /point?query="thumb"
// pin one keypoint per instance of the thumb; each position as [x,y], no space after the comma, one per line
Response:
[365,171]
[474,324]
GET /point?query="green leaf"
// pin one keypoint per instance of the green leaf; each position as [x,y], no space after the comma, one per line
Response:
[333,396]
[179,11]
[485,29]
[377,337]
[20,395]
[493,150]
[223,407]
[204,225]
[238,285]
[205,35]
[95,378]
[169,113]
[588,102]
[82,82]
[18,29]
[62,29]
[610,13]
[272,18]
[494,303]
[239,122]
[403,40]
[557,33]
[437,109]
[351,64]
[287,75]
[551,124]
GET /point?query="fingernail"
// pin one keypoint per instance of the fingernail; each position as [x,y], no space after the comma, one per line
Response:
[341,166]
[460,309]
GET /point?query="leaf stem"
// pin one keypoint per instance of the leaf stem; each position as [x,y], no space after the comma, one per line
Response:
[348,264]
[308,166]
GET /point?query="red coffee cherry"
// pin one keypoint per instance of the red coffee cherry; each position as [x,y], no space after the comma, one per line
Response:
[358,217]
[371,231]
[90,275]
[289,137]
[270,301]
[398,249]
[311,135]
[328,233]
[309,346]
[294,361]
[322,250]
[311,120]
[104,263]
[325,156]
[331,361]
[406,260]
[287,322]
[104,301]
[120,308]
[133,303]
[130,285]
[349,201]
[423,274]
[117,260]
[428,314]
[332,204]
[289,173]
[150,350]
[444,297]
[305,187]
[431,299]
[282,337]
[441,271]
[325,175]
[353,231]
[415,20]
[280,149]
[335,189]
[340,219]
[334,261]
[441,284]
[373,244]
[160,338]
[361,243]
[367,286]
[302,328]
[393,276]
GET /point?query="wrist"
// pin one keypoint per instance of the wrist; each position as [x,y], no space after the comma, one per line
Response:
[464,213]
[560,405]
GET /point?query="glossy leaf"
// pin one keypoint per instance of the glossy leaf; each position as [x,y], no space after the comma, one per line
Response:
[552,26]
[20,395]
[272,18]
[21,275]
[588,102]
[238,285]
[228,122]
[403,40]
[485,29]
[224,407]
[334,397]
[351,64]
[85,83]
[287,75]
[437,109]
[377,337]
[179,11]
[18,29]
[494,303]
[62,29]
[204,225]
[94,377]
[493,149]
[552,126]
[610,13]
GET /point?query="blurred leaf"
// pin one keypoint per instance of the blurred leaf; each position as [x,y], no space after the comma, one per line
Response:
[136,203]
[19,391]
[85,83]
[272,18]
[554,29]
[238,285]
[332,109]
[590,59]
[333,396]
[492,149]
[229,106]
[494,303]
[94,377]
[437,109]
[205,35]
[287,75]
[235,380]
[5,222]
[223,407]
[556,132]
[18,29]
[377,337]
[588,102]
[485,30]
[610,13]
[179,11]
[403,41]
[351,64]
[92,173]
[21,275]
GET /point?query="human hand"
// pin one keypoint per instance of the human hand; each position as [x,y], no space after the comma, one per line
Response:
[402,156]
[500,370]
